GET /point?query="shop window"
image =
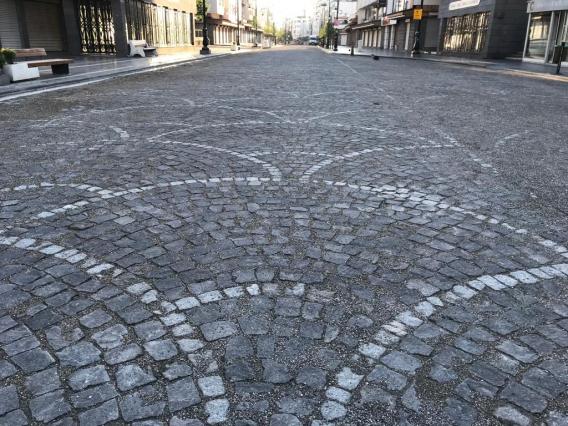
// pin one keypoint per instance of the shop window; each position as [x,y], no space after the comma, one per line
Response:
[158,25]
[539,29]
[563,28]
[466,34]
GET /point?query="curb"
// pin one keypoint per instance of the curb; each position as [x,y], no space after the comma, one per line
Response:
[60,84]
[489,66]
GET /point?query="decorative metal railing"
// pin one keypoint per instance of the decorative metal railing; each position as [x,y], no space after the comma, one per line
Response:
[96,26]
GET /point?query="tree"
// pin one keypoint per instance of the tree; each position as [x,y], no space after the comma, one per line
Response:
[199,14]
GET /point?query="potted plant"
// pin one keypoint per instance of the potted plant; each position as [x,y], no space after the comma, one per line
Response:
[9,55]
[17,71]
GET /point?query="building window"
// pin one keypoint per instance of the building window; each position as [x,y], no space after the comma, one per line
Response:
[466,34]
[158,25]
[539,30]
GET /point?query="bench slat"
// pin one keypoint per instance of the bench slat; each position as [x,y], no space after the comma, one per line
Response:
[48,62]
[30,53]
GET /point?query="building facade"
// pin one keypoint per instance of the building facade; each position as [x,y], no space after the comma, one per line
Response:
[392,25]
[482,28]
[547,29]
[76,27]
[301,27]
[236,22]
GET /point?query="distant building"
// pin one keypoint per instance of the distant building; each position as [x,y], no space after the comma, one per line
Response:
[301,27]
[76,27]
[392,25]
[547,28]
[233,21]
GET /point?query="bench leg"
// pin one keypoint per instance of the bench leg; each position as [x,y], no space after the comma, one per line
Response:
[60,69]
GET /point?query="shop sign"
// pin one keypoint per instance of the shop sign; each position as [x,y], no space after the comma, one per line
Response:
[417,15]
[463,4]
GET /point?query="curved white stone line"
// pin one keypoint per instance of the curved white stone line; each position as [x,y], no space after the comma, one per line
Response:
[437,203]
[83,261]
[55,121]
[271,169]
[270,113]
[330,114]
[106,194]
[307,153]
[187,127]
[389,334]
[324,163]
[44,185]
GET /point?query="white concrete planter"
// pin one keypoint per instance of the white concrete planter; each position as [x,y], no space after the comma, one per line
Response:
[20,71]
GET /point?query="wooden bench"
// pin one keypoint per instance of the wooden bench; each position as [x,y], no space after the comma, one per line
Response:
[58,66]
[140,48]
[27,70]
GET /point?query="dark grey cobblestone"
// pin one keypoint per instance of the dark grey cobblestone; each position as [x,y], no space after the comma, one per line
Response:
[290,250]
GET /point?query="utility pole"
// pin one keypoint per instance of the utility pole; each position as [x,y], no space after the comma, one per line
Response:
[205,48]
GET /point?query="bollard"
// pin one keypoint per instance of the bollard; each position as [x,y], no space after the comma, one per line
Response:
[352,50]
[560,56]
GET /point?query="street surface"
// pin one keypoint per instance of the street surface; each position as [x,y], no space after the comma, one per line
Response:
[286,238]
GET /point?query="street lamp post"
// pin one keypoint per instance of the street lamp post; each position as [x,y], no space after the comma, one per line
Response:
[205,48]
[336,41]
[327,30]
[256,23]
[238,24]
[416,47]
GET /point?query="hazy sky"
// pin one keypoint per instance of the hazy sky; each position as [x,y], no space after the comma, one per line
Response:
[289,8]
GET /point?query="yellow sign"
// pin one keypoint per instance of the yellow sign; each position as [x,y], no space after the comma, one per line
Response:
[417,14]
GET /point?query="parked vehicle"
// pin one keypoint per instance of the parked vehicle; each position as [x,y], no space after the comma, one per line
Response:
[314,40]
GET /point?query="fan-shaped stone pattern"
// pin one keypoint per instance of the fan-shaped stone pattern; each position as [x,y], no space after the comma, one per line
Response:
[301,263]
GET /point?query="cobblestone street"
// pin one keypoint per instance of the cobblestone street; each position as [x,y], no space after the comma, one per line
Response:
[286,238]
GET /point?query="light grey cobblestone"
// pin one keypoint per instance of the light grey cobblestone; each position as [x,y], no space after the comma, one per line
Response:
[323,264]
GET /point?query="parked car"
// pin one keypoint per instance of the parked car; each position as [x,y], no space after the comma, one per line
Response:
[314,41]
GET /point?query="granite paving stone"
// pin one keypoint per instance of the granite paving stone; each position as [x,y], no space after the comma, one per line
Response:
[286,236]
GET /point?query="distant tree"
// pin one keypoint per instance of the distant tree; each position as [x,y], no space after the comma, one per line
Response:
[199,14]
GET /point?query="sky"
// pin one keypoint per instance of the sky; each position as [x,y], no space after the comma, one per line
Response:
[283,9]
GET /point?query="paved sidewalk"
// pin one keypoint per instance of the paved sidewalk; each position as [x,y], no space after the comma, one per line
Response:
[286,238]
[505,65]
[88,68]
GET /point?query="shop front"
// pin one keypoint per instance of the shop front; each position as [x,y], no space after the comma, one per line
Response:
[32,23]
[547,29]
[482,28]
[100,27]
[401,28]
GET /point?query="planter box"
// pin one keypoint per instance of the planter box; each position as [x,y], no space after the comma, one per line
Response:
[20,71]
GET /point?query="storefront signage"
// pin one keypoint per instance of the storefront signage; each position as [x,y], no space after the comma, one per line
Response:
[462,4]
[417,15]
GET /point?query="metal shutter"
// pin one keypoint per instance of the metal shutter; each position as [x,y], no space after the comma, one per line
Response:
[9,28]
[43,21]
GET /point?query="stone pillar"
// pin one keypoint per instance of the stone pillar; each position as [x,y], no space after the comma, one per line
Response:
[119,21]
[72,30]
